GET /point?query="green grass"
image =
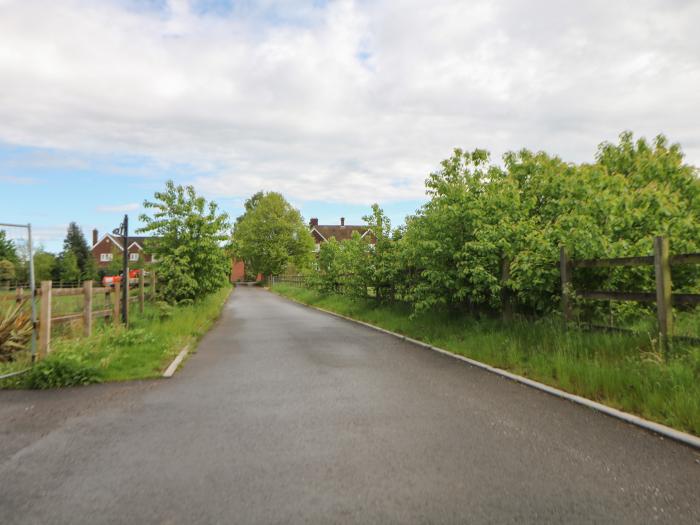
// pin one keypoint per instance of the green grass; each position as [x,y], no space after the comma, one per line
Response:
[141,352]
[619,370]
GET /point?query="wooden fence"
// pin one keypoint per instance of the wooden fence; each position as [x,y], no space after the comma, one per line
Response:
[662,261]
[295,280]
[112,298]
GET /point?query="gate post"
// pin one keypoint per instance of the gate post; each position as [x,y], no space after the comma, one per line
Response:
[664,307]
[45,319]
[87,308]
[115,304]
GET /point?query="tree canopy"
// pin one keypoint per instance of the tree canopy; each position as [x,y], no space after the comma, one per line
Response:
[271,234]
[189,248]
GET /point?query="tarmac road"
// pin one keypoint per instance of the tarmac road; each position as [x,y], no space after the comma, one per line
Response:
[289,415]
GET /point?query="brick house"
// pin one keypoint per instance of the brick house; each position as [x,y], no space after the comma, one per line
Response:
[342,232]
[106,247]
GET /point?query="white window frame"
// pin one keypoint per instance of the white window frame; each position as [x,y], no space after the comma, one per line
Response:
[134,256]
[106,257]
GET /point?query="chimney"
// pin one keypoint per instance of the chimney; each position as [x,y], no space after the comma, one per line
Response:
[94,236]
[342,221]
[313,222]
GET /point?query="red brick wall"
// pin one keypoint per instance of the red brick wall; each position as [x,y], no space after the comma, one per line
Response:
[237,270]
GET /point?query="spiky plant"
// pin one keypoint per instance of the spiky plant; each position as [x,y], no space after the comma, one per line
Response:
[15,331]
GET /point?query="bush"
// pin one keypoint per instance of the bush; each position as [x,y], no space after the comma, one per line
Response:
[164,310]
[59,371]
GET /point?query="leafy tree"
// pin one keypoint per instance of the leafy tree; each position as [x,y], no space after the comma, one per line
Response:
[44,264]
[7,270]
[8,250]
[271,234]
[67,267]
[75,243]
[191,260]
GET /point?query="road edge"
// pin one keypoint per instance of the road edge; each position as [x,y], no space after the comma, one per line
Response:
[172,368]
[650,426]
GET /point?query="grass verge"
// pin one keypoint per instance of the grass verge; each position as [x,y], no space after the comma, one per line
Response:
[114,354]
[622,371]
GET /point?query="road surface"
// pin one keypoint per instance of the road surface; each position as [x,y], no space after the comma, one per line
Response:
[289,415]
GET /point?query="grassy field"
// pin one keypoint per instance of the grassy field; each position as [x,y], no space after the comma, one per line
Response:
[622,371]
[152,341]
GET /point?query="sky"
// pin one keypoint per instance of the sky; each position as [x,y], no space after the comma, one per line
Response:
[335,104]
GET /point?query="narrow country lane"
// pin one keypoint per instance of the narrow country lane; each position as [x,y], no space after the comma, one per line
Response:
[289,415]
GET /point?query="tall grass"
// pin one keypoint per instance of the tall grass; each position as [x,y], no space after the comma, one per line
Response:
[623,371]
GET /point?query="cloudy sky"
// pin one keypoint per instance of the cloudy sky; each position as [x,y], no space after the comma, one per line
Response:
[336,104]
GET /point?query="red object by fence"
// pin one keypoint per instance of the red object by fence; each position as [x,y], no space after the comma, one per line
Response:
[112,279]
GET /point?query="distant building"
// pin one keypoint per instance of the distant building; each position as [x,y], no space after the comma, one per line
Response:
[321,233]
[342,232]
[105,248]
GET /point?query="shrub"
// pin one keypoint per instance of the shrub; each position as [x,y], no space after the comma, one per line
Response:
[164,310]
[59,371]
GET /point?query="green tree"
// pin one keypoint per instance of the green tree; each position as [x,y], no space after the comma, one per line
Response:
[271,234]
[7,270]
[44,264]
[8,251]
[191,259]
[67,267]
[75,243]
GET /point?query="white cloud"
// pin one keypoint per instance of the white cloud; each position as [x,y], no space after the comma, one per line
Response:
[352,101]
[119,208]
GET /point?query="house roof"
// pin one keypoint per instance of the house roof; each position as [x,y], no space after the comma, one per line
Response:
[117,240]
[323,232]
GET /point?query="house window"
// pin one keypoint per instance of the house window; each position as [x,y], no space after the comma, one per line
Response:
[105,257]
[133,256]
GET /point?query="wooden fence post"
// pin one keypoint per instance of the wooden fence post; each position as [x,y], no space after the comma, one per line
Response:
[565,269]
[87,308]
[664,309]
[506,296]
[142,291]
[116,313]
[20,295]
[45,319]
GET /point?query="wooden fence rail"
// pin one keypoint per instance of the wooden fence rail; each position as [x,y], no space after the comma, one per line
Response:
[662,261]
[296,280]
[112,298]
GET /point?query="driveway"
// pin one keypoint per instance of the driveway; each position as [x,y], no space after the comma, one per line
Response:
[289,415]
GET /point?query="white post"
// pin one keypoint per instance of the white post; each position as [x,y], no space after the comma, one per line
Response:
[32,287]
